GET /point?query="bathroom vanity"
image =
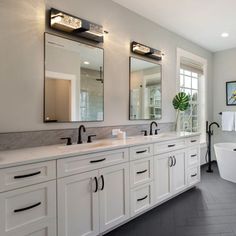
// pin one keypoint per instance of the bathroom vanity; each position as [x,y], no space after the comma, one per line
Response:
[89,189]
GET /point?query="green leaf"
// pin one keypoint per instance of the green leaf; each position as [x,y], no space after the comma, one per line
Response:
[181,101]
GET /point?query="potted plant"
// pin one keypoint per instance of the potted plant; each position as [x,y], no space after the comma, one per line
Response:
[180,103]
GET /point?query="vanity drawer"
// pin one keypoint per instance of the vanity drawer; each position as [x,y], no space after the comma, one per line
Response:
[193,141]
[141,198]
[83,163]
[193,175]
[193,156]
[168,146]
[25,209]
[141,151]
[21,176]
[39,229]
[141,171]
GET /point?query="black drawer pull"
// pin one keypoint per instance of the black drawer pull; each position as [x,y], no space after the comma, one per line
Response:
[98,160]
[194,175]
[141,199]
[171,145]
[193,141]
[138,152]
[141,172]
[194,155]
[27,208]
[26,176]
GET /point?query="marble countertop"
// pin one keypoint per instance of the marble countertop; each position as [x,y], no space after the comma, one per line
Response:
[44,153]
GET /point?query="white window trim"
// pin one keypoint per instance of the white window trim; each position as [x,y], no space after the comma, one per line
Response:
[202,86]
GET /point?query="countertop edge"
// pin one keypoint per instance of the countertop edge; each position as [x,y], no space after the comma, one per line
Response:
[57,155]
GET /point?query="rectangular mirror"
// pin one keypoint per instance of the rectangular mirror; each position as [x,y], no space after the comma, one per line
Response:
[145,90]
[74,83]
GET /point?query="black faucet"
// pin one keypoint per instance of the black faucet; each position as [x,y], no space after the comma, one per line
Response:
[153,123]
[90,138]
[209,131]
[79,134]
[69,142]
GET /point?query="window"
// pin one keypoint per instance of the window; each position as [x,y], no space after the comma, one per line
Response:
[189,83]
[191,74]
[84,101]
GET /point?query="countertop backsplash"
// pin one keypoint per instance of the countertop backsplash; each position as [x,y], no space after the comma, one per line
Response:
[16,140]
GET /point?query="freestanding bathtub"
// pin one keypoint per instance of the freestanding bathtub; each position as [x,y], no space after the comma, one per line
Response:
[226,159]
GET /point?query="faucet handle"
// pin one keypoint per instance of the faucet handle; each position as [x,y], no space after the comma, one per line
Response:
[156,131]
[68,140]
[144,132]
[90,138]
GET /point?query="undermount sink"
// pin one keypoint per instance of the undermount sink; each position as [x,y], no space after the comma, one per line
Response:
[164,135]
[106,143]
[83,146]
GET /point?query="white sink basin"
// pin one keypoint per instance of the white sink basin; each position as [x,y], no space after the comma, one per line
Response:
[164,135]
[85,146]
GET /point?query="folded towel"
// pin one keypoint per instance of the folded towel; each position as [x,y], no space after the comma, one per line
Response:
[228,120]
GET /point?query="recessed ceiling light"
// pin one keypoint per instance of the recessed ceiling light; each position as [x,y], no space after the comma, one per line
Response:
[86,62]
[224,35]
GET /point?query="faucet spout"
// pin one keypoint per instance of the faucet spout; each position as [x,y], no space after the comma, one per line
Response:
[213,123]
[152,123]
[81,128]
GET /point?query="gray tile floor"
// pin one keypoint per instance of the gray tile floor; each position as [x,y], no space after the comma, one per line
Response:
[207,210]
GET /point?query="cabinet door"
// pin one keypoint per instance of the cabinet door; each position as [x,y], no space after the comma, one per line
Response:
[114,195]
[78,205]
[162,177]
[179,176]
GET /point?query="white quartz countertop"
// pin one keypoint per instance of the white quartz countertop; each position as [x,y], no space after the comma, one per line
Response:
[44,153]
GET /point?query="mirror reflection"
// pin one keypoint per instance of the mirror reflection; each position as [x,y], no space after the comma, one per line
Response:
[145,90]
[73,81]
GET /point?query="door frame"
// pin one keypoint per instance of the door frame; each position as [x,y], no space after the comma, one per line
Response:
[70,77]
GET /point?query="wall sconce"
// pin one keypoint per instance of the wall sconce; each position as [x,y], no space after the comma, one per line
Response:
[71,24]
[144,50]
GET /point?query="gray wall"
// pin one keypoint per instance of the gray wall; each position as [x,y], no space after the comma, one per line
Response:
[224,70]
[22,26]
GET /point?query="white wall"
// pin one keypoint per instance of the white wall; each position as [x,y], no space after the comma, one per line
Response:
[22,24]
[224,70]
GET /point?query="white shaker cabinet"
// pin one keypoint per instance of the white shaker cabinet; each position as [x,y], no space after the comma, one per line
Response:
[78,212]
[90,193]
[29,211]
[162,177]
[114,195]
[170,174]
[94,201]
[179,176]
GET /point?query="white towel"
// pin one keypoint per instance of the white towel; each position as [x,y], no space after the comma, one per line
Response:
[228,120]
[234,121]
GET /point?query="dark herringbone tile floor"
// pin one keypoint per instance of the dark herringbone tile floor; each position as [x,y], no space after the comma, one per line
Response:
[207,210]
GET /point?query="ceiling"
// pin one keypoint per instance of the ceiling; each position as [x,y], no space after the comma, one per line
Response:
[201,21]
